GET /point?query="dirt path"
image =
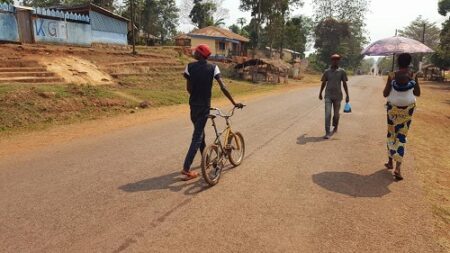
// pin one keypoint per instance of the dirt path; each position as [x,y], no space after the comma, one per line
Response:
[120,192]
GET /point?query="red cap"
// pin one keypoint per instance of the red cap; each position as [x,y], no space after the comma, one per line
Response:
[204,50]
[335,56]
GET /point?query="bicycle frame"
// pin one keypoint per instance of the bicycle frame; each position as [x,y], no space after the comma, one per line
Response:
[226,133]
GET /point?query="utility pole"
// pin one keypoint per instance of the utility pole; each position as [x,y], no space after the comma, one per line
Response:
[132,26]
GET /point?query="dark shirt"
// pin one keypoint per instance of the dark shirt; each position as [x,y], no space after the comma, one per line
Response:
[334,77]
[201,75]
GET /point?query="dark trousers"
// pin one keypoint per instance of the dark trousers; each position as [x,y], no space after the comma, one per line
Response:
[199,117]
[336,105]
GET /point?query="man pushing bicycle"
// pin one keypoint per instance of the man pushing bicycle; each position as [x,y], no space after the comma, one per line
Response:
[199,80]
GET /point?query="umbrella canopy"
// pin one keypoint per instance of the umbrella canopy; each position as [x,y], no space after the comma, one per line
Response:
[395,45]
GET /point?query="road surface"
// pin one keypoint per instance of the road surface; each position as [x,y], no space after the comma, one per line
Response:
[295,192]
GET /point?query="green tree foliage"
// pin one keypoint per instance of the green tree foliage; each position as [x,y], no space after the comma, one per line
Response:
[7,1]
[168,19]
[150,18]
[296,33]
[156,17]
[422,30]
[202,13]
[107,4]
[444,7]
[442,56]
[235,28]
[330,35]
[341,16]
[270,17]
[416,29]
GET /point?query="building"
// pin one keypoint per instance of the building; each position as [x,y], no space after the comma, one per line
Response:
[222,42]
[106,27]
[183,40]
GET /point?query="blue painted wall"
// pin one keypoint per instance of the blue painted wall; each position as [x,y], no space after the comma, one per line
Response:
[61,32]
[108,30]
[8,27]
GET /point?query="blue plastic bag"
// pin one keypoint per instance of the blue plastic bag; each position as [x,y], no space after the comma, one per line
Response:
[347,108]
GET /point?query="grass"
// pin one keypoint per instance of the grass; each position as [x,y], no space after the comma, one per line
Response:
[430,137]
[37,107]
[29,107]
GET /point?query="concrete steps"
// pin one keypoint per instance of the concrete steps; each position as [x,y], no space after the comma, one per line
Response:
[25,79]
[25,72]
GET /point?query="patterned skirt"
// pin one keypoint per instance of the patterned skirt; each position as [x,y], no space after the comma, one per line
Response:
[399,122]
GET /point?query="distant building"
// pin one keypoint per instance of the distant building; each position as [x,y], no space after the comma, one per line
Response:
[222,42]
[183,40]
[106,27]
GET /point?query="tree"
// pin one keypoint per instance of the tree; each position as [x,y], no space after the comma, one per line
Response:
[422,30]
[329,34]
[202,13]
[241,22]
[297,32]
[150,18]
[235,28]
[416,30]
[107,4]
[444,7]
[346,14]
[7,1]
[168,19]
[273,14]
[442,56]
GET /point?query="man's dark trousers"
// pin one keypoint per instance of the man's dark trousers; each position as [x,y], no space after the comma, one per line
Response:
[199,117]
[335,105]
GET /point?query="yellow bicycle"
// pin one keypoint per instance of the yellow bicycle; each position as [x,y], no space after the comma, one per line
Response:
[215,155]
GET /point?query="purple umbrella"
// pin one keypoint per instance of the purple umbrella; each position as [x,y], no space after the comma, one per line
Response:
[395,45]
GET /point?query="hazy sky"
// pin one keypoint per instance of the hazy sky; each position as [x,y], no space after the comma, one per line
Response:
[383,18]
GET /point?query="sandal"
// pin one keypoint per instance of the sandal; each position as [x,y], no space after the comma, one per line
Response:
[397,176]
[388,166]
[189,175]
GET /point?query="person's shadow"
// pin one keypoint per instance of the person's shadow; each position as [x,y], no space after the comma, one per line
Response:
[172,181]
[304,139]
[373,185]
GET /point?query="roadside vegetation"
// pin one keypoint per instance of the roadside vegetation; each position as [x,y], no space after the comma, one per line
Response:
[431,127]
[34,107]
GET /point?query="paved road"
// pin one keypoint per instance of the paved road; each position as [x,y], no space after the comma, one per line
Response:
[294,192]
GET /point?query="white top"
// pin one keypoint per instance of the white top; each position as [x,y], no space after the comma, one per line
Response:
[401,98]
[216,71]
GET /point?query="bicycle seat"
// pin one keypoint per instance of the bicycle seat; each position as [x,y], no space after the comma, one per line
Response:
[211,116]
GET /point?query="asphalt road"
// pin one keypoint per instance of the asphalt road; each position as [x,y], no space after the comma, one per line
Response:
[295,192]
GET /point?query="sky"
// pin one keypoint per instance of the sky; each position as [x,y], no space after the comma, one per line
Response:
[383,18]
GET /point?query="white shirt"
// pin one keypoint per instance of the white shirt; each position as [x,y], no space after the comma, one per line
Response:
[401,98]
[216,71]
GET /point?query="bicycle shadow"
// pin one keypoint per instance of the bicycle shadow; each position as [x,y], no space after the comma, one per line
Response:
[173,182]
[304,139]
[354,185]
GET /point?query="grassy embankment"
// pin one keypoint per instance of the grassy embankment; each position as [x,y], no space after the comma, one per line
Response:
[430,143]
[36,107]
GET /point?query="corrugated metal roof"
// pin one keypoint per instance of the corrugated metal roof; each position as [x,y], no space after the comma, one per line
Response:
[217,32]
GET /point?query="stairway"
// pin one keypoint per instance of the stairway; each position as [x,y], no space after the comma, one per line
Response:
[26,71]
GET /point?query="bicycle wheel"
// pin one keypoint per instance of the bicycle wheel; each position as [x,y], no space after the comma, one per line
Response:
[236,148]
[211,164]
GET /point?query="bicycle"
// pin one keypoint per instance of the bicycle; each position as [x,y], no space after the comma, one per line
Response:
[215,155]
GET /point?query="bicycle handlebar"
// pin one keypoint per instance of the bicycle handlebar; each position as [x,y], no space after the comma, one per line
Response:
[223,115]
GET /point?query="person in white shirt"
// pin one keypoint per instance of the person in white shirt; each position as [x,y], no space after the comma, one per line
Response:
[401,91]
